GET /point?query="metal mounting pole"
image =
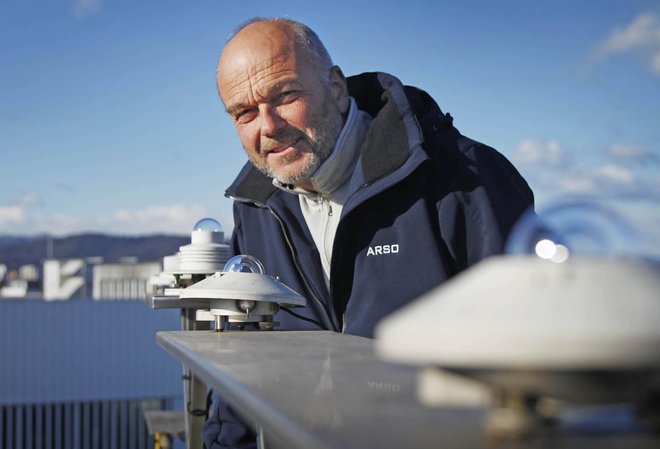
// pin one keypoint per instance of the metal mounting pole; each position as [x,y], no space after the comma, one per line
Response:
[194,390]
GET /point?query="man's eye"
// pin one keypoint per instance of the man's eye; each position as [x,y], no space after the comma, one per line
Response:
[244,116]
[288,96]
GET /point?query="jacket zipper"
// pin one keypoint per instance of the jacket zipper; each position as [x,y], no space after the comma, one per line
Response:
[300,272]
[326,203]
[293,257]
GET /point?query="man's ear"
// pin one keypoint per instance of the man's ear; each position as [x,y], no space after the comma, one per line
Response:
[339,89]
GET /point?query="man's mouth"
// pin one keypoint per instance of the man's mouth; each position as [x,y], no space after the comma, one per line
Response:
[280,148]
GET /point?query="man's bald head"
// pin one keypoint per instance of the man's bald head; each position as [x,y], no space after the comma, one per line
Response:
[286,98]
[303,38]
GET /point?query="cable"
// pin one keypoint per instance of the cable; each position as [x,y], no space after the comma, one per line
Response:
[304,318]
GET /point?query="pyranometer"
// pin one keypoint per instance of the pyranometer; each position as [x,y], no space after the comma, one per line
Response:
[243,293]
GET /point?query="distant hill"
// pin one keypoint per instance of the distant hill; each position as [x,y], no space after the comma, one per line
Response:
[17,251]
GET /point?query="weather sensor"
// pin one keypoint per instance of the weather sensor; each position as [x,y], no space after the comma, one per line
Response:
[236,291]
[242,293]
[552,321]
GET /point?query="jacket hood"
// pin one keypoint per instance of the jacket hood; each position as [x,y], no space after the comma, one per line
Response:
[395,132]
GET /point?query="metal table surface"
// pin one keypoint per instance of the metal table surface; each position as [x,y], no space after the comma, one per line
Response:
[328,390]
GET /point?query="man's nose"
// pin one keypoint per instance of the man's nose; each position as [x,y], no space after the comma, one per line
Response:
[271,121]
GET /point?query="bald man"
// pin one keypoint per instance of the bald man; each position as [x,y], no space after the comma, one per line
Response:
[359,193]
[288,106]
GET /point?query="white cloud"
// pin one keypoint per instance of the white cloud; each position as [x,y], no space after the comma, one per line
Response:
[626,151]
[655,63]
[568,185]
[16,214]
[614,175]
[57,223]
[633,153]
[29,199]
[10,216]
[83,8]
[606,180]
[24,218]
[172,218]
[538,153]
[623,171]
[641,35]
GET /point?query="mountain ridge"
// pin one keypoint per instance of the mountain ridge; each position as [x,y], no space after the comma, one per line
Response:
[16,251]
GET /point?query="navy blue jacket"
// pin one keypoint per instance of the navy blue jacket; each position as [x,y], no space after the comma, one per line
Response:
[427,203]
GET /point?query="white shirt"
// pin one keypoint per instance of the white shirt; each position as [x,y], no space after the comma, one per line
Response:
[322,208]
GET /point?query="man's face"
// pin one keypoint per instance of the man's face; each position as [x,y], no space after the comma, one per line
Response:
[287,115]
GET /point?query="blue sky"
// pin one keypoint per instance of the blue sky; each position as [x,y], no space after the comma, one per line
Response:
[110,120]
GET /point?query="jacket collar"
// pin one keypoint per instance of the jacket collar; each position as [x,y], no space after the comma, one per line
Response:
[393,135]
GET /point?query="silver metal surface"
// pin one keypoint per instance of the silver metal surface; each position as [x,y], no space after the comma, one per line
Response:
[328,390]
[165,421]
[172,302]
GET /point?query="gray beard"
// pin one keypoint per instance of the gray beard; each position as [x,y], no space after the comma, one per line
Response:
[327,131]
